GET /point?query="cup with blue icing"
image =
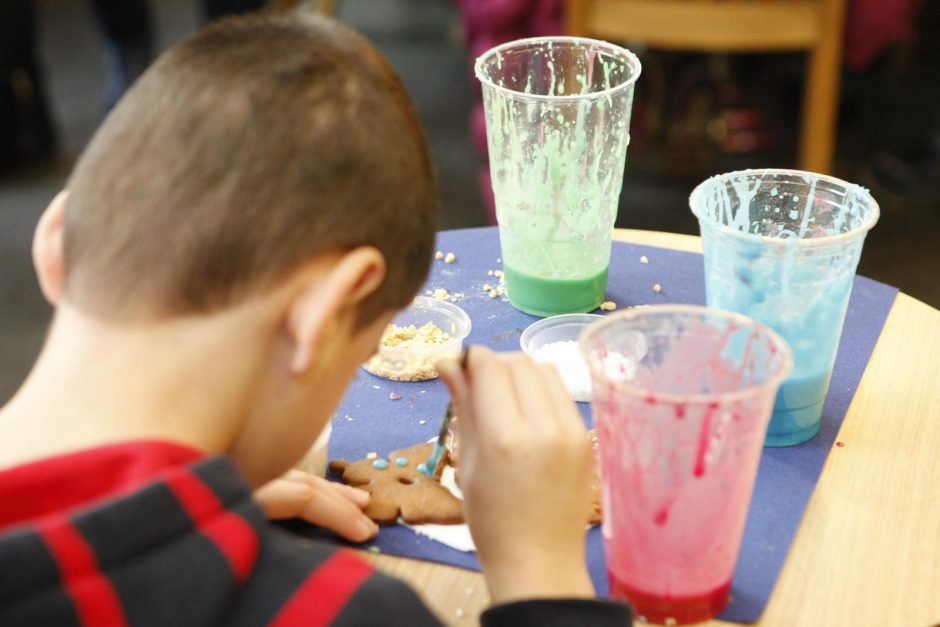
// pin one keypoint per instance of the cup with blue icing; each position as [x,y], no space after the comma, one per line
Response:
[782,247]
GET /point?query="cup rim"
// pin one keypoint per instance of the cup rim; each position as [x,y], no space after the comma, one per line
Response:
[781,345]
[631,59]
[816,242]
[574,319]
[457,314]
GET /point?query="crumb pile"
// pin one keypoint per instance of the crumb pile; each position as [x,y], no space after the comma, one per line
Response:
[403,367]
[413,336]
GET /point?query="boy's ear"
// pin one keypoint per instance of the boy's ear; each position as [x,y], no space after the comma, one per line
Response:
[321,301]
[48,248]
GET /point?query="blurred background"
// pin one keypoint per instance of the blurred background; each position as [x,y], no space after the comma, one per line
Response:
[703,106]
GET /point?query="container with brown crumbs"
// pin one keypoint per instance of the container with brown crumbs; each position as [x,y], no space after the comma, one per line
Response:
[424,333]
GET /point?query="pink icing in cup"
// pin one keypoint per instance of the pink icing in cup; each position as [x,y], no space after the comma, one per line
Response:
[682,399]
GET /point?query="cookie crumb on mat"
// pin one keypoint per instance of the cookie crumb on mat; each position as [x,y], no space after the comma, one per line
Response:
[441,293]
[438,255]
[644,259]
[608,305]
[450,258]
[394,397]
[657,288]
[495,291]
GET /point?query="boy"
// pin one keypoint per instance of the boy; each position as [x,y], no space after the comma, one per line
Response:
[232,244]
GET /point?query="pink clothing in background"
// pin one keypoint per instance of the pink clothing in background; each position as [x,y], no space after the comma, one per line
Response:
[488,23]
[873,25]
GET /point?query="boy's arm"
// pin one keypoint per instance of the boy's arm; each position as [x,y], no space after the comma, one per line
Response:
[525,466]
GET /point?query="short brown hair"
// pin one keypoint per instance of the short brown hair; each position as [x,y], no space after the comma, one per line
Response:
[254,145]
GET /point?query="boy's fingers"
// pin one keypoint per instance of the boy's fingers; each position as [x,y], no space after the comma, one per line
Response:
[493,395]
[560,399]
[335,507]
[454,377]
[298,475]
[533,391]
[284,498]
[340,515]
[356,495]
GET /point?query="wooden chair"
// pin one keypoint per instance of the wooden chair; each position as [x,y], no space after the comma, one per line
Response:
[323,6]
[739,26]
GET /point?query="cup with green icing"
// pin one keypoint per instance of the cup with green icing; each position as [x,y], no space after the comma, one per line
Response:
[557,125]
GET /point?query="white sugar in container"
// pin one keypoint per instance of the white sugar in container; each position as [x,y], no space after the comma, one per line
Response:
[554,340]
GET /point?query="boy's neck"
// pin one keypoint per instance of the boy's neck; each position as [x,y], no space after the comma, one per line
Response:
[187,380]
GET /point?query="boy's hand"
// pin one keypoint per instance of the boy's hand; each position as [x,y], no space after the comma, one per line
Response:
[525,471]
[324,503]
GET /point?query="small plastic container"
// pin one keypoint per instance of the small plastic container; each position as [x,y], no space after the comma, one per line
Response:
[554,340]
[416,363]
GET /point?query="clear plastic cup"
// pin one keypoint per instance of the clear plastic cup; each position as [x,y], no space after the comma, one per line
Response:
[680,419]
[416,361]
[782,246]
[554,340]
[557,126]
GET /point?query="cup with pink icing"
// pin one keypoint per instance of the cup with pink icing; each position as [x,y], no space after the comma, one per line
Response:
[682,400]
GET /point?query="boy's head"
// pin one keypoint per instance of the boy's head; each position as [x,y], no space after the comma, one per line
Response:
[257,144]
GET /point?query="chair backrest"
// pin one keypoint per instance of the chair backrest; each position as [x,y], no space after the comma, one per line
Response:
[323,6]
[703,25]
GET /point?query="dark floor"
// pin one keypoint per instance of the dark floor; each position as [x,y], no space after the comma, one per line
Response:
[421,39]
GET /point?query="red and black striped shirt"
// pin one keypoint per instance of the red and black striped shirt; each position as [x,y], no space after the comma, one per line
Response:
[153,533]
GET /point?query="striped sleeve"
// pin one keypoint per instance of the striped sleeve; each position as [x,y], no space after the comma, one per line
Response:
[309,583]
[386,601]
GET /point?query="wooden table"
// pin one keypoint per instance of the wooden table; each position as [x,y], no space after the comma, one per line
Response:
[868,549]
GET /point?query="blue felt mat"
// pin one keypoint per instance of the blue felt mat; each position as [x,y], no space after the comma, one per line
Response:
[368,421]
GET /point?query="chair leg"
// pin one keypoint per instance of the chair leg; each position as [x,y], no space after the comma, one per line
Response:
[821,96]
[576,17]
[327,7]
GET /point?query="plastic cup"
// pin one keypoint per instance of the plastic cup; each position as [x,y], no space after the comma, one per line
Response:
[557,126]
[782,246]
[416,361]
[682,397]
[554,340]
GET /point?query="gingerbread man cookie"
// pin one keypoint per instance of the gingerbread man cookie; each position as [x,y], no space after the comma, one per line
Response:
[397,488]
